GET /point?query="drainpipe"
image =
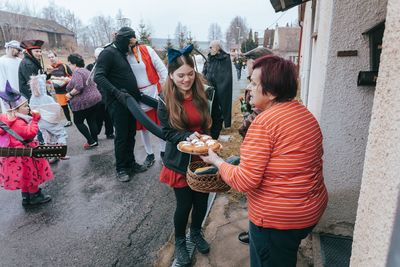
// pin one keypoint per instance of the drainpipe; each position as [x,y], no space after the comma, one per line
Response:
[306,84]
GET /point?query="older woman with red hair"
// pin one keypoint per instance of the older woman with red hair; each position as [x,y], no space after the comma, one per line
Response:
[280,167]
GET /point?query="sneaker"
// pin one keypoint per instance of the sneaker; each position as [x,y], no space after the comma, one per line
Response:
[244,238]
[137,168]
[38,198]
[197,237]
[123,176]
[149,161]
[89,146]
[68,123]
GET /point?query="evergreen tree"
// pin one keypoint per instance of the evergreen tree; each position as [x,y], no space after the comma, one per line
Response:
[144,34]
[249,43]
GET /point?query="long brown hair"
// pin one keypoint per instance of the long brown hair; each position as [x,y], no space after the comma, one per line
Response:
[174,98]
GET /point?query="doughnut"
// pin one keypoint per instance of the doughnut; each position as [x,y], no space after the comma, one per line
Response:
[199,146]
[185,146]
[205,138]
[213,144]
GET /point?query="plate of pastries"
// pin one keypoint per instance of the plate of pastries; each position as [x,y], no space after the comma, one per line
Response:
[199,146]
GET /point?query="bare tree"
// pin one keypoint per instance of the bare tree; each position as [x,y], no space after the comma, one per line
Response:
[237,31]
[214,32]
[181,34]
[23,7]
[121,20]
[101,29]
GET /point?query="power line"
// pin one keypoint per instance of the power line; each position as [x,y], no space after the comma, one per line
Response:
[283,14]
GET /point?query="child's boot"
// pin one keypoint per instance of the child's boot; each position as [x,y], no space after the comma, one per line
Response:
[181,254]
[197,237]
[25,198]
[39,198]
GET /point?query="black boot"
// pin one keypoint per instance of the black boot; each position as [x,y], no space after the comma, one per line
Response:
[38,198]
[25,198]
[149,161]
[181,253]
[197,237]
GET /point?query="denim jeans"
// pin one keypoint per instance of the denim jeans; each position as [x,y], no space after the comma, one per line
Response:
[275,248]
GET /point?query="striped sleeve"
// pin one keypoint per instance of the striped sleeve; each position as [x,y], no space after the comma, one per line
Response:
[255,154]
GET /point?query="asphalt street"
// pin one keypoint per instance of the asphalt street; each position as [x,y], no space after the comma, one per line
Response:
[92,220]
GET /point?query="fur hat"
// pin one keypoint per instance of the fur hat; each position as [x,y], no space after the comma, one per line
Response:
[32,44]
[12,98]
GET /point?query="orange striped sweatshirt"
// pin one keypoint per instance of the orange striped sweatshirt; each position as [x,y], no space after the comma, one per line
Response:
[281,168]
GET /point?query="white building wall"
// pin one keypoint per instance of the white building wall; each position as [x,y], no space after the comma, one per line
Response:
[342,108]
[380,186]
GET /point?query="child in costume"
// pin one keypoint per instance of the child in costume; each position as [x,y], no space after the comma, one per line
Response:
[50,124]
[22,173]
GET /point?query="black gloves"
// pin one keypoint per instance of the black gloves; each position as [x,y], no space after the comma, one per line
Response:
[121,95]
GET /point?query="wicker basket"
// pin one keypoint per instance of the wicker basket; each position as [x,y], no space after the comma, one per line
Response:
[205,183]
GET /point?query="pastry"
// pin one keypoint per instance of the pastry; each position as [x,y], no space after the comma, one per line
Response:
[205,138]
[199,146]
[213,144]
[185,146]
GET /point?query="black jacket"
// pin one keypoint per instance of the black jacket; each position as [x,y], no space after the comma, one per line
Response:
[29,66]
[113,72]
[218,72]
[173,159]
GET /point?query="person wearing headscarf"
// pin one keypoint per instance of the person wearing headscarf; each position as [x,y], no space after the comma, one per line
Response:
[218,72]
[116,79]
[22,173]
[9,64]
[31,64]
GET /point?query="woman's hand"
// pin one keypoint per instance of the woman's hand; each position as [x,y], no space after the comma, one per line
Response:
[212,158]
[194,135]
[68,96]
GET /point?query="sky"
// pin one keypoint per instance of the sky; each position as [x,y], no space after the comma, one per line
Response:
[163,16]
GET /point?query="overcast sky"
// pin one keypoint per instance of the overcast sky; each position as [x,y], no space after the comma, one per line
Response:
[164,15]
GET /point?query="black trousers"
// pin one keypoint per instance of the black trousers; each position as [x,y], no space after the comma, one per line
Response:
[275,248]
[66,112]
[217,119]
[125,131]
[104,117]
[89,115]
[186,200]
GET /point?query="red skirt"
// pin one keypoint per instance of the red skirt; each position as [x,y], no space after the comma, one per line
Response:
[152,114]
[173,178]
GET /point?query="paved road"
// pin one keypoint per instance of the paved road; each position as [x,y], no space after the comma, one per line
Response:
[93,220]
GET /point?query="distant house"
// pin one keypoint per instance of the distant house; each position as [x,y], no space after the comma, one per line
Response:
[268,40]
[21,27]
[286,43]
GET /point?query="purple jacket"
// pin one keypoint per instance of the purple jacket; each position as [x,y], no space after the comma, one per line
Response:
[88,94]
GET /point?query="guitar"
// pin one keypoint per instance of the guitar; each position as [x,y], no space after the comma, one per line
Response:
[36,152]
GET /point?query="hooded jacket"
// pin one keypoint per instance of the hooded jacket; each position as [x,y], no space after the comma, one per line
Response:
[218,72]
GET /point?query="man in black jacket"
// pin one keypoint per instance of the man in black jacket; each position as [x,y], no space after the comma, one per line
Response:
[114,76]
[30,65]
[218,72]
